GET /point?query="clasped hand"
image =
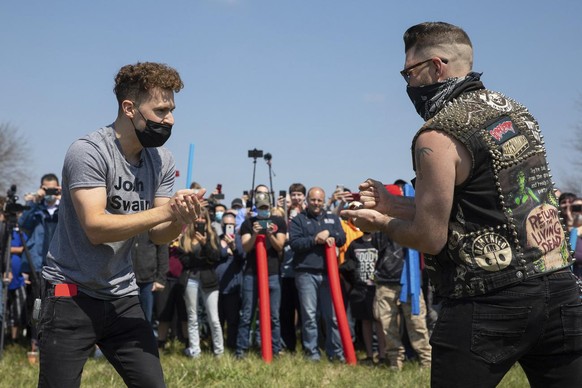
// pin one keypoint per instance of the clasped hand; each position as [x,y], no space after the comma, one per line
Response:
[186,205]
[375,199]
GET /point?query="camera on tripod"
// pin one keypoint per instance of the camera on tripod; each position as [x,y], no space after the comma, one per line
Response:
[11,206]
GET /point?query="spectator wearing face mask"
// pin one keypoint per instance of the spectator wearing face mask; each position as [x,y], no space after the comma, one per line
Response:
[219,210]
[229,272]
[39,222]
[275,231]
[201,253]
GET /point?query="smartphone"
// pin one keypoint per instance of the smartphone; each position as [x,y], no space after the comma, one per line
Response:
[246,192]
[355,196]
[200,227]
[576,208]
[282,193]
[229,229]
[52,191]
[264,223]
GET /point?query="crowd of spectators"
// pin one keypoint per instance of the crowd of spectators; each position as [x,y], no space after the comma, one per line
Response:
[201,289]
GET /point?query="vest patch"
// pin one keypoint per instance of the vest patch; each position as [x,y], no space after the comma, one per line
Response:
[502,130]
[491,252]
[545,232]
[515,147]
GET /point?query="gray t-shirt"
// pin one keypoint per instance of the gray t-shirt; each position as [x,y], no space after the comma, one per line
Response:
[104,271]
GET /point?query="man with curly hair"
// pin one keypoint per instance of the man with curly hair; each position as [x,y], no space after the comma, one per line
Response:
[117,183]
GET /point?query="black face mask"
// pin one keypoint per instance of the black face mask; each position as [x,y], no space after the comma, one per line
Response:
[428,100]
[154,134]
[423,98]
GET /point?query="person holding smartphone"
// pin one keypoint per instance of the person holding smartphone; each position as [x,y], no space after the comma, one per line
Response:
[201,253]
[275,230]
[229,272]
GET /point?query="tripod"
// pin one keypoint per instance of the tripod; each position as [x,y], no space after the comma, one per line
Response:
[6,269]
[254,153]
[268,157]
[8,227]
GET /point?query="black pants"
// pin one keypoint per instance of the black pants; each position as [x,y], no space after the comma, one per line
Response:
[289,308]
[229,313]
[69,328]
[537,323]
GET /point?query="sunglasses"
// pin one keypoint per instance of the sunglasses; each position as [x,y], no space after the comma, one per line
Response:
[407,72]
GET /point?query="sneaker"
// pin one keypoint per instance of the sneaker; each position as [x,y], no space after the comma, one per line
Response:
[339,359]
[240,355]
[368,361]
[189,352]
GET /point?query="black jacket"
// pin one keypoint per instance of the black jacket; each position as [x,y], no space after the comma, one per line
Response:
[150,261]
[390,260]
[201,264]
[309,256]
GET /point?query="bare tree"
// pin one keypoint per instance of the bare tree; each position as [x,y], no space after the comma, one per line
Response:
[14,158]
[575,181]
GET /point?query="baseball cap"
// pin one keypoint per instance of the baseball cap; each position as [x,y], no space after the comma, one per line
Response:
[236,203]
[262,199]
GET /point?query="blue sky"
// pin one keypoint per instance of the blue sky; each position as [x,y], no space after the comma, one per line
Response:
[314,83]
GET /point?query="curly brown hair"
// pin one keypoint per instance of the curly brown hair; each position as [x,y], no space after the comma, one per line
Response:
[134,81]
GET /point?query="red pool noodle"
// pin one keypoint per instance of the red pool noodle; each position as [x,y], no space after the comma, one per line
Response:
[264,298]
[338,304]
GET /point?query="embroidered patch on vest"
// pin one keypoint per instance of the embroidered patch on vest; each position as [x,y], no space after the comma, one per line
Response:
[491,252]
[502,130]
[545,232]
[515,147]
[496,101]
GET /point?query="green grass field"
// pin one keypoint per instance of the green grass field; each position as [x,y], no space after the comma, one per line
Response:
[207,371]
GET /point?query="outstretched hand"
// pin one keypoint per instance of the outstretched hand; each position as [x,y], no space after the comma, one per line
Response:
[368,220]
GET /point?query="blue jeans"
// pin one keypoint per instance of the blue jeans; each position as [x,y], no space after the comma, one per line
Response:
[537,323]
[249,296]
[146,297]
[314,293]
[69,327]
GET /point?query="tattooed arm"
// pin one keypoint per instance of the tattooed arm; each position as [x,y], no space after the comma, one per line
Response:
[441,163]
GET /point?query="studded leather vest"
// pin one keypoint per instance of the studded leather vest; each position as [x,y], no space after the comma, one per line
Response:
[504,225]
